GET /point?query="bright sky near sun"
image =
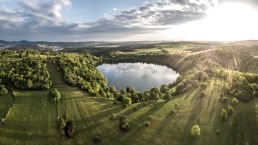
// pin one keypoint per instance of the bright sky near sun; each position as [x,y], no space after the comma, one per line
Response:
[128,20]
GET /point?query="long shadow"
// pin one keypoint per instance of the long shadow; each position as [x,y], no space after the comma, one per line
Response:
[245,125]
[162,126]
[136,127]
[192,120]
[21,130]
[23,136]
[103,114]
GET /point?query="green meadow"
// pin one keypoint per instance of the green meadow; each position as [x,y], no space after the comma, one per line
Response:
[31,118]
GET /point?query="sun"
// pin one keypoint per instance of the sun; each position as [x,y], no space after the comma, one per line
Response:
[231,22]
[225,22]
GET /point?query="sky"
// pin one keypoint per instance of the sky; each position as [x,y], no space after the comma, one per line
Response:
[128,20]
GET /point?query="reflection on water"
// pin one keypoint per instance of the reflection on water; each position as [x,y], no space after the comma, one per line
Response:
[140,76]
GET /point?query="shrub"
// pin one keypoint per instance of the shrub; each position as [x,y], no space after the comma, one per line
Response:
[203,85]
[224,100]
[230,110]
[177,107]
[3,90]
[97,139]
[224,114]
[124,125]
[217,132]
[147,123]
[202,94]
[7,114]
[150,118]
[196,131]
[234,101]
[113,116]
[172,112]
[61,123]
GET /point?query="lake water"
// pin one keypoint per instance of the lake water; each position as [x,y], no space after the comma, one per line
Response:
[140,76]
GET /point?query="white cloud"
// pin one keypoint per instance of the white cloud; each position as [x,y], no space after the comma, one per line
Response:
[36,20]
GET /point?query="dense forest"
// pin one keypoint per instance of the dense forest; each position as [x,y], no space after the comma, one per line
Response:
[27,74]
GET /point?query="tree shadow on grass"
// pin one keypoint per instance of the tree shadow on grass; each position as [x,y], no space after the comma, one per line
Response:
[192,120]
[161,127]
[245,124]
[137,125]
[21,130]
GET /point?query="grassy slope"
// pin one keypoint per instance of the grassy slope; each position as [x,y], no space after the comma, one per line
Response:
[33,119]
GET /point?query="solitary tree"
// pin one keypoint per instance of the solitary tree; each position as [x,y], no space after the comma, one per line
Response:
[56,96]
[196,131]
[124,125]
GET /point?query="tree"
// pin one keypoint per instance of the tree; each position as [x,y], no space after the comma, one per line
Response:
[234,101]
[230,110]
[29,84]
[134,97]
[146,95]
[123,91]
[2,74]
[202,94]
[163,88]
[102,93]
[147,123]
[124,125]
[167,96]
[69,129]
[224,114]
[196,131]
[3,90]
[156,90]
[56,96]
[127,101]
[61,122]
[112,89]
[141,97]
[155,94]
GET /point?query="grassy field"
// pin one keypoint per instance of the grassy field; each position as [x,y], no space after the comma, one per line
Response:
[33,116]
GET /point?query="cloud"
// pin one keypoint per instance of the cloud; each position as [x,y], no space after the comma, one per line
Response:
[147,18]
[43,20]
